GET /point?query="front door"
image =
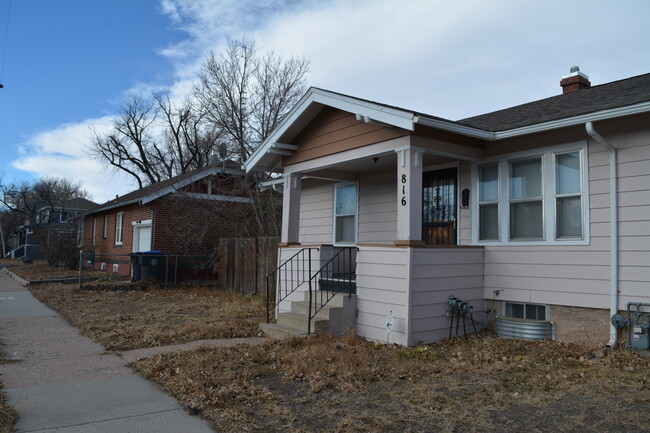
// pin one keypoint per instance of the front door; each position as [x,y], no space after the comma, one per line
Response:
[439,207]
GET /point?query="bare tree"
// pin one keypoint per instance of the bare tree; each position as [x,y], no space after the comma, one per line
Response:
[9,220]
[37,204]
[240,97]
[154,139]
[245,95]
[189,141]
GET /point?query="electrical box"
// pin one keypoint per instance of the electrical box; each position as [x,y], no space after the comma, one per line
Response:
[641,337]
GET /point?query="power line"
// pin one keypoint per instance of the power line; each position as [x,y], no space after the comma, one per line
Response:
[4,51]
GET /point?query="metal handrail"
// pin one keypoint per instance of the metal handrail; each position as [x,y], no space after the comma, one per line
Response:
[329,270]
[294,267]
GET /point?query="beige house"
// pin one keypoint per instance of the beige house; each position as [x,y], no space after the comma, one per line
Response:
[509,211]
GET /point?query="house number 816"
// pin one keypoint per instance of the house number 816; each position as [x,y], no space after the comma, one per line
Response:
[403,190]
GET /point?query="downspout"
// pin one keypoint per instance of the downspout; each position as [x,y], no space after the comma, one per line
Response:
[613,223]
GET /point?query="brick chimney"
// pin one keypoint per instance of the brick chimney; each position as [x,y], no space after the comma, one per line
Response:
[575,81]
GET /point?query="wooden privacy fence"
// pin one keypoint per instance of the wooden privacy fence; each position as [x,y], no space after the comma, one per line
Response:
[243,263]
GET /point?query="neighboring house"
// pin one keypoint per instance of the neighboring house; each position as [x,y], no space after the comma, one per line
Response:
[509,211]
[63,218]
[185,215]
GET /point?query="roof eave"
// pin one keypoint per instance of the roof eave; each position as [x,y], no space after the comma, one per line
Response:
[318,96]
[171,188]
[456,128]
[176,186]
[113,206]
[612,113]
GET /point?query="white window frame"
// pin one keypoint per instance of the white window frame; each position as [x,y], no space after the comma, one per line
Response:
[65,216]
[547,309]
[119,227]
[105,229]
[356,214]
[549,216]
[479,203]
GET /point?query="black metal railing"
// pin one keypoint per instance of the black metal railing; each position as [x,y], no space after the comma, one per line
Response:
[338,275]
[289,277]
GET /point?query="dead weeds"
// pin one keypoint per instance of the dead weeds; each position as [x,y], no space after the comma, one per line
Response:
[123,319]
[40,270]
[352,385]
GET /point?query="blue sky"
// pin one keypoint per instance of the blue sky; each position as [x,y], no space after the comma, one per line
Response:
[69,63]
[69,60]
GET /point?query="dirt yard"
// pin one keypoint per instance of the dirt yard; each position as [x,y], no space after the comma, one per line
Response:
[7,414]
[121,318]
[352,385]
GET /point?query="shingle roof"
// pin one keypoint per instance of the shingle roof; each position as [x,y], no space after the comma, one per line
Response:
[79,203]
[158,187]
[620,93]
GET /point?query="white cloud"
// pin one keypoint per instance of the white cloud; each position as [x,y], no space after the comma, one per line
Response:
[62,152]
[450,59]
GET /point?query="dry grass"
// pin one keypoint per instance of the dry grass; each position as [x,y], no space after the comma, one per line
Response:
[40,270]
[133,319]
[352,385]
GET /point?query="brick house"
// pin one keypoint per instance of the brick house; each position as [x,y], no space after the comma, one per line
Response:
[185,215]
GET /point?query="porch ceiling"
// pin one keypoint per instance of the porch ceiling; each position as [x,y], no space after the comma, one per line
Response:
[383,162]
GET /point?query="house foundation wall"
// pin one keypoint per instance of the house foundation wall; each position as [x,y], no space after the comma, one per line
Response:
[587,326]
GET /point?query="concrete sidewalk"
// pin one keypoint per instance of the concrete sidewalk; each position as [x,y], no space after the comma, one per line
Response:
[63,382]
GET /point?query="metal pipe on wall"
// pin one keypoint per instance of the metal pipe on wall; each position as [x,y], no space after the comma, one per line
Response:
[613,223]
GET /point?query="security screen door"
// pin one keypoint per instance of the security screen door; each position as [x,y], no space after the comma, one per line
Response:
[439,207]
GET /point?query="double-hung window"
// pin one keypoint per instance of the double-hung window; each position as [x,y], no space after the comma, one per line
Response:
[345,214]
[568,196]
[532,197]
[119,220]
[488,197]
[525,200]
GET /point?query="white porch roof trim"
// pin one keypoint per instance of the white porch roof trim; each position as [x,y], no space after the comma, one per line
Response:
[310,104]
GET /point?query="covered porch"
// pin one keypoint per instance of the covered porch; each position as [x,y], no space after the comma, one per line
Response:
[399,209]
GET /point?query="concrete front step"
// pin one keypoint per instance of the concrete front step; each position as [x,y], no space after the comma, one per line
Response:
[281,332]
[302,308]
[299,321]
[338,315]
[338,300]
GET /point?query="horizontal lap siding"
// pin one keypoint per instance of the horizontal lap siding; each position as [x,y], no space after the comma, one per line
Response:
[382,286]
[634,221]
[378,209]
[436,275]
[580,275]
[333,131]
[316,199]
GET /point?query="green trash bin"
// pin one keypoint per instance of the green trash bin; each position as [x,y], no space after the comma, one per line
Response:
[152,265]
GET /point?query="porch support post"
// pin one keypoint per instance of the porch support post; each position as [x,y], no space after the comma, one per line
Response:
[290,210]
[409,196]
